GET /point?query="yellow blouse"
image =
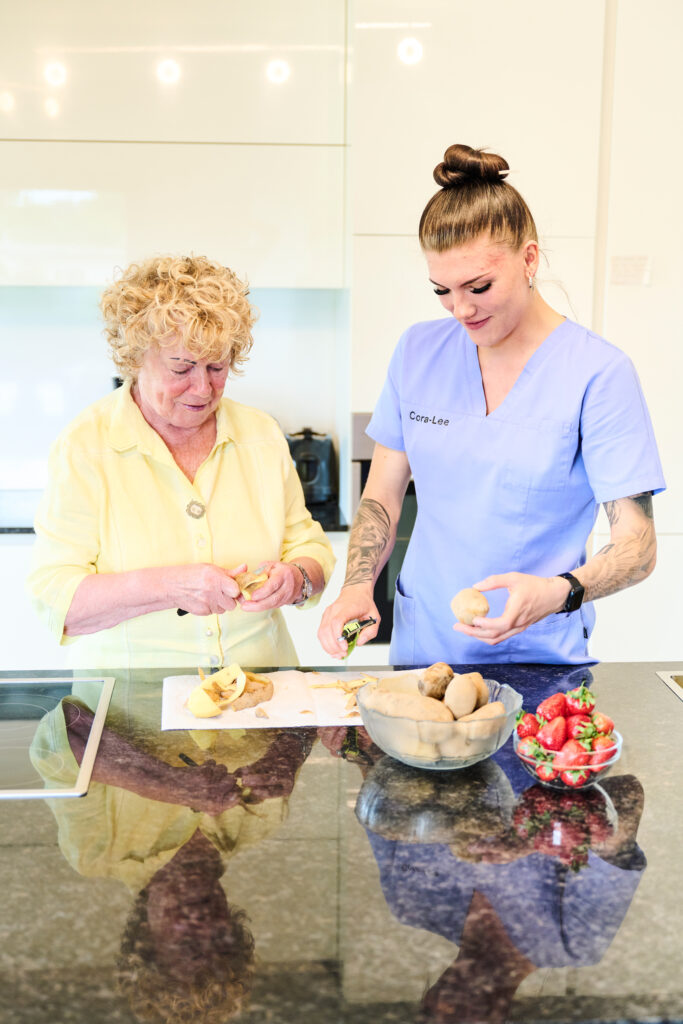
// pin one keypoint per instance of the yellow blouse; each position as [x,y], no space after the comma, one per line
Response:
[117,501]
[113,832]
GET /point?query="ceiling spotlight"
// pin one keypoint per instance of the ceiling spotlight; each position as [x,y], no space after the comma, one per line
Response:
[51,106]
[168,71]
[278,71]
[54,73]
[7,102]
[410,51]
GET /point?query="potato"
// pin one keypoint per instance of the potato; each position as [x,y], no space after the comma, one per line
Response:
[408,682]
[457,744]
[461,695]
[435,679]
[482,689]
[467,604]
[408,705]
[202,704]
[485,721]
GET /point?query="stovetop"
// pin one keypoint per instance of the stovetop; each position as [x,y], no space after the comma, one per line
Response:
[24,704]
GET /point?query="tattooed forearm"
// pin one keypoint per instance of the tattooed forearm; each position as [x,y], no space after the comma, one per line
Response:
[627,559]
[369,539]
[644,502]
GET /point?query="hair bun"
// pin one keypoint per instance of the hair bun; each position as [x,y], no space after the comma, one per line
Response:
[462,164]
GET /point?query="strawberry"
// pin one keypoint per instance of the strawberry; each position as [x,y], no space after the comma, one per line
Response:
[579,727]
[601,722]
[527,724]
[575,776]
[552,707]
[580,701]
[603,747]
[553,734]
[545,771]
[572,755]
[529,748]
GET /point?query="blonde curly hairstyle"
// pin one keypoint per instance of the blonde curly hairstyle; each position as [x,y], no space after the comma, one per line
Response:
[151,303]
[218,993]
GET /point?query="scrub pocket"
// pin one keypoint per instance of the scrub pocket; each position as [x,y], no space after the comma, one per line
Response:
[556,639]
[402,649]
[539,455]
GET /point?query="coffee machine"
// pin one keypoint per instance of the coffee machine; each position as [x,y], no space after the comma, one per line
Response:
[316,464]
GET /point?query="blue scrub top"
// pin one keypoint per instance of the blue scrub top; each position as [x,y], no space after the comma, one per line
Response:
[547,919]
[514,491]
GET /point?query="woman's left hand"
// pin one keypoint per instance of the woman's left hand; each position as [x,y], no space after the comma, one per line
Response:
[283,586]
[531,599]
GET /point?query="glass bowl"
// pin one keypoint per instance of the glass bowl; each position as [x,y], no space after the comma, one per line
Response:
[399,802]
[593,772]
[442,746]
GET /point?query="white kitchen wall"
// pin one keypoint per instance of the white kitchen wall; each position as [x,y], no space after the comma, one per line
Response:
[243,72]
[644,268]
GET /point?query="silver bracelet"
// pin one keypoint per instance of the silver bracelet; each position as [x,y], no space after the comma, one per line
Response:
[306,588]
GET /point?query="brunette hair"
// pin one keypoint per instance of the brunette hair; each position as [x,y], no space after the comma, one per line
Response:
[153,301]
[474,199]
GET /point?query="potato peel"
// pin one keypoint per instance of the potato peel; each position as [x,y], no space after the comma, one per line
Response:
[248,581]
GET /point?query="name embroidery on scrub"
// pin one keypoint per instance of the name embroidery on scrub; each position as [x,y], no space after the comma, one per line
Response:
[421,418]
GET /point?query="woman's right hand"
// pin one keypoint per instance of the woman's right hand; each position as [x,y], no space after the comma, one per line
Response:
[205,589]
[354,602]
[207,787]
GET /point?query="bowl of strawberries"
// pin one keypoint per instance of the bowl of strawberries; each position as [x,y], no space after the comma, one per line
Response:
[567,743]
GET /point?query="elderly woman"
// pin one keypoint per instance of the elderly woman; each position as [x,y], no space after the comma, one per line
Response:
[160,494]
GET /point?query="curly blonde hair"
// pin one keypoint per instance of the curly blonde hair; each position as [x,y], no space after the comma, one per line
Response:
[151,303]
[218,993]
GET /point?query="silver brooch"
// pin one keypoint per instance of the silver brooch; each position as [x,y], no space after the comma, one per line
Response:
[196,509]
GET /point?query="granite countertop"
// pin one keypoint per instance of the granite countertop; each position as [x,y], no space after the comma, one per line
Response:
[303,876]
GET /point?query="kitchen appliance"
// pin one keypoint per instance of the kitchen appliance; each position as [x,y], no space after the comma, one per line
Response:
[316,464]
[24,702]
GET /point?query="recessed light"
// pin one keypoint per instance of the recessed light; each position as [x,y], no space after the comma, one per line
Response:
[54,73]
[278,71]
[168,71]
[410,50]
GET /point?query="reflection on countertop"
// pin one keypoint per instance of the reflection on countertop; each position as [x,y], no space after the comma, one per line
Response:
[304,876]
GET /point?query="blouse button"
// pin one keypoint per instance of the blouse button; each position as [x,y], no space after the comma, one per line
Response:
[214,659]
[209,632]
[201,542]
[195,509]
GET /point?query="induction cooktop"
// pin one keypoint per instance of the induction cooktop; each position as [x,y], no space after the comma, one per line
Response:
[24,704]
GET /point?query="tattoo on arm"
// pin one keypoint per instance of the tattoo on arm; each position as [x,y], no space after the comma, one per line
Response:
[628,560]
[368,541]
[644,500]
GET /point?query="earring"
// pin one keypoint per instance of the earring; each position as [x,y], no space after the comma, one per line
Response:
[531,281]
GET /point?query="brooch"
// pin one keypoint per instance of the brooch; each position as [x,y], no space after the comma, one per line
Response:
[195,509]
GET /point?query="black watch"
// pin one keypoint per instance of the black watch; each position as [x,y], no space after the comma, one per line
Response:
[575,595]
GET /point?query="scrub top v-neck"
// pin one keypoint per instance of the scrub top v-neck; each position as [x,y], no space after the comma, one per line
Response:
[516,490]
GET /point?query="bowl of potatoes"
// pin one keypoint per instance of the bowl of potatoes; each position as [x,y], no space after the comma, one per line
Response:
[439,719]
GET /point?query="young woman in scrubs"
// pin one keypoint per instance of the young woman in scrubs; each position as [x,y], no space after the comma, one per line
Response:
[515,424]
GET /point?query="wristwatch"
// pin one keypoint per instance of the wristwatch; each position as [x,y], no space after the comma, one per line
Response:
[306,588]
[575,595]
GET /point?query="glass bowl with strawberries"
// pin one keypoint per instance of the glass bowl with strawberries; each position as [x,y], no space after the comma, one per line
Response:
[567,743]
